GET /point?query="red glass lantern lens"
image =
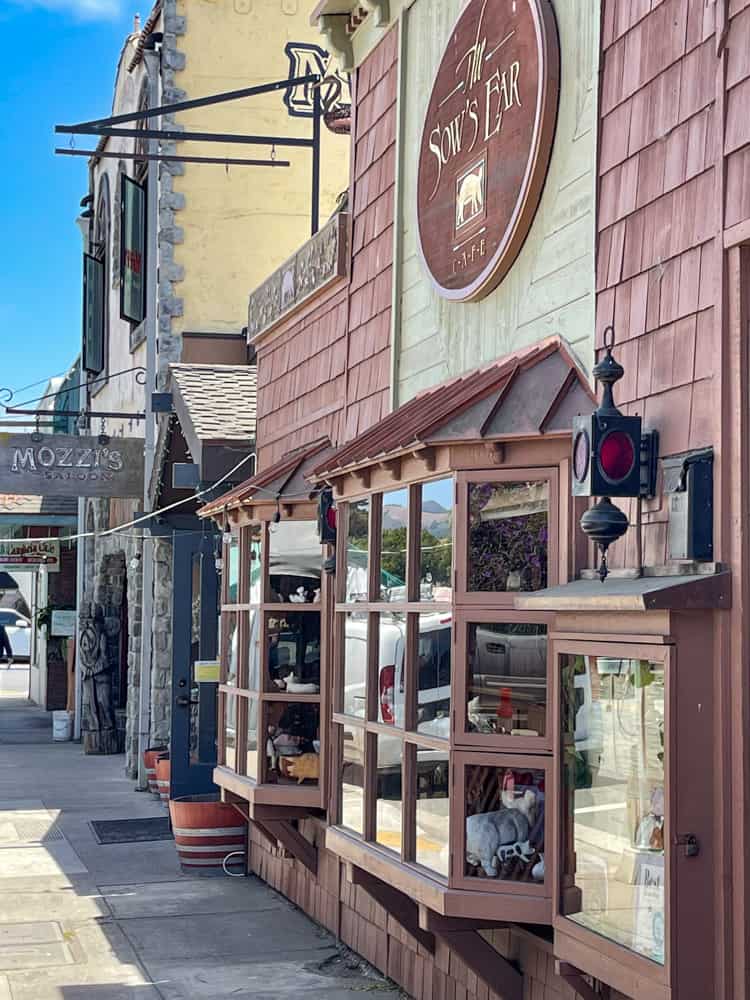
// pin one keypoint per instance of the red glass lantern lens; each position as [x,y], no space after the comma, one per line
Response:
[331,518]
[616,456]
[581,455]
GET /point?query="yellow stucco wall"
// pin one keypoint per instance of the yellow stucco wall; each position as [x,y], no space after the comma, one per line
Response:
[242,222]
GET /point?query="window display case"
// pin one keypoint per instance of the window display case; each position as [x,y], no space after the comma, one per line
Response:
[441,705]
[272,656]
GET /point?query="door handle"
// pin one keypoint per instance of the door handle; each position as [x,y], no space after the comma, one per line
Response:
[183,701]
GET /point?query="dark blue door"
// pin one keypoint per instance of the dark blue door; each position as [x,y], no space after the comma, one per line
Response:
[195,617]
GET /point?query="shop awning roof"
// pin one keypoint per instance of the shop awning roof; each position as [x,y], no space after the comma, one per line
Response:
[647,593]
[215,403]
[286,480]
[531,392]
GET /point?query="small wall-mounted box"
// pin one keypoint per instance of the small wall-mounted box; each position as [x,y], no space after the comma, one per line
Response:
[689,487]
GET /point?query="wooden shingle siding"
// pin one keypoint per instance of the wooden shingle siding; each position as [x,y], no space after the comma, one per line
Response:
[549,289]
[348,912]
[325,369]
[368,375]
[662,145]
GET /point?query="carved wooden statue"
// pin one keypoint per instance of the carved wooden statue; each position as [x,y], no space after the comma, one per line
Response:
[98,717]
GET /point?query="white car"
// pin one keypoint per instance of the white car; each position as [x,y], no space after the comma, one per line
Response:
[18,630]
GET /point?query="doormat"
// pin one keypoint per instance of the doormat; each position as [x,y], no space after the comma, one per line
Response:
[131,831]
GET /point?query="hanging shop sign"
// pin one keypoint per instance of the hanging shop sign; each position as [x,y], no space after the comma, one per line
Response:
[132,250]
[66,465]
[30,553]
[486,143]
[63,623]
[93,314]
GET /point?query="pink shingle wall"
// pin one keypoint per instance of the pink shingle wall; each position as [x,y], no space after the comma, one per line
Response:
[663,143]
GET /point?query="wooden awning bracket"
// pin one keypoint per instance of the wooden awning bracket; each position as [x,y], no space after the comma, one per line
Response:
[462,936]
[574,977]
[401,907]
[291,839]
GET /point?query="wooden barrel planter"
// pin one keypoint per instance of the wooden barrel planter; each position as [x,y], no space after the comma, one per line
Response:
[206,831]
[162,778]
[150,756]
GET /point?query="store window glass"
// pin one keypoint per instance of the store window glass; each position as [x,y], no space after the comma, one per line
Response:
[293,743]
[436,543]
[389,804]
[294,562]
[255,568]
[393,546]
[355,664]
[432,811]
[232,647]
[251,768]
[357,551]
[230,731]
[233,570]
[613,799]
[352,778]
[293,648]
[506,688]
[508,536]
[504,823]
[391,668]
[433,670]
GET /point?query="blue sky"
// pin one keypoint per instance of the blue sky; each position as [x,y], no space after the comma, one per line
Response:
[58,67]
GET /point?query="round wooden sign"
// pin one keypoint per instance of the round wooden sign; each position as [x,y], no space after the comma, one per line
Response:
[486,143]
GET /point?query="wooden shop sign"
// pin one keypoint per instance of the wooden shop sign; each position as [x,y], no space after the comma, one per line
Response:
[486,143]
[65,465]
[17,553]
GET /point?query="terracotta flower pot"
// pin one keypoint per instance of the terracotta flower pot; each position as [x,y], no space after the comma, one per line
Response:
[206,831]
[162,778]
[150,758]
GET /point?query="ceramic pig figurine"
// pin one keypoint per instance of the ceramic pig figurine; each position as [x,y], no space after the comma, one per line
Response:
[307,765]
[490,835]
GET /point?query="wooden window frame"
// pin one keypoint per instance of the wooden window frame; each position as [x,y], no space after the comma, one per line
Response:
[556,532]
[468,758]
[309,795]
[462,609]
[461,738]
[579,940]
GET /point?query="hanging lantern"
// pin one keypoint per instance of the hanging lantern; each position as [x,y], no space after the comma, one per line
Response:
[612,457]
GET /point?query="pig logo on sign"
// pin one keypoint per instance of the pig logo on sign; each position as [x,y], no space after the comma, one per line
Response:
[470,195]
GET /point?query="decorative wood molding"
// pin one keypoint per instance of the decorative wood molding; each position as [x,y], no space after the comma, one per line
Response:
[393,468]
[335,27]
[496,451]
[318,262]
[427,457]
[363,478]
[435,923]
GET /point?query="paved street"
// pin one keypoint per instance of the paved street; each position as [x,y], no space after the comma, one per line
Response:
[82,921]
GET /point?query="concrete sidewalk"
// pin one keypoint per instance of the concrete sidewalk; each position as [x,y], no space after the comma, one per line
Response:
[84,921]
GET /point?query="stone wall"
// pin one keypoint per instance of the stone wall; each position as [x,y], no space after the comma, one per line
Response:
[161,647]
